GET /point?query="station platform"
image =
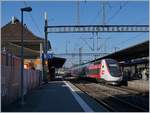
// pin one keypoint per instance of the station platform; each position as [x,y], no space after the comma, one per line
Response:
[140,85]
[57,96]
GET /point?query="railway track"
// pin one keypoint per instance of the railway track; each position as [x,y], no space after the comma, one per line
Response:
[116,99]
[124,89]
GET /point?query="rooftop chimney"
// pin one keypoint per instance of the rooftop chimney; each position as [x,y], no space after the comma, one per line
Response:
[13,20]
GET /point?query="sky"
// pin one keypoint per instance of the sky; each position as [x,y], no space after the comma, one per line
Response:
[65,13]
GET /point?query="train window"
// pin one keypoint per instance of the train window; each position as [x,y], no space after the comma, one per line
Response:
[113,67]
[94,71]
[111,61]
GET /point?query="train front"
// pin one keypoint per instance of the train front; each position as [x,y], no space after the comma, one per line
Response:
[113,72]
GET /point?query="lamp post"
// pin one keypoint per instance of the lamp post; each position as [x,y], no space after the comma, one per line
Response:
[45,49]
[25,9]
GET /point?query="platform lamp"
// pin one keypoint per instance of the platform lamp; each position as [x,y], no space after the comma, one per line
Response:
[25,9]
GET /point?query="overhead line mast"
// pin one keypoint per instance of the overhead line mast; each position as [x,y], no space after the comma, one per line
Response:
[78,12]
[104,13]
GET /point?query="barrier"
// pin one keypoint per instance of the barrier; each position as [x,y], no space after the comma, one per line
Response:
[11,79]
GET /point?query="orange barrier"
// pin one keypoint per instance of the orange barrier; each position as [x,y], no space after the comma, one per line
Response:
[11,79]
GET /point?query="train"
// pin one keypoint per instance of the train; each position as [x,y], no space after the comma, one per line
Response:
[105,70]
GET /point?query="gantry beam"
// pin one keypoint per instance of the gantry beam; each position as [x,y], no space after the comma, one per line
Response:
[83,54]
[97,28]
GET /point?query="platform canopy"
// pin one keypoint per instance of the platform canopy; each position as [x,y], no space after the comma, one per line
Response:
[133,52]
[56,62]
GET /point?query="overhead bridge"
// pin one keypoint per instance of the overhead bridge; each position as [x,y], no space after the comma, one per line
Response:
[96,28]
[83,54]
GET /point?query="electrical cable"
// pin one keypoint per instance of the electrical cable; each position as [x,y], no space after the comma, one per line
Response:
[118,11]
[33,20]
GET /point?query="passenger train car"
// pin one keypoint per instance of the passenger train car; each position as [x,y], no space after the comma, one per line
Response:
[106,70]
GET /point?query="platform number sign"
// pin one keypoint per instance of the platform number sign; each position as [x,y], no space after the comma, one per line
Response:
[49,55]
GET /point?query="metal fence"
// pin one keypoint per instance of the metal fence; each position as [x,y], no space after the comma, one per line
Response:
[11,79]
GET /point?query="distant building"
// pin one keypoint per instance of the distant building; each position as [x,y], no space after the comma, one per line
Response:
[11,43]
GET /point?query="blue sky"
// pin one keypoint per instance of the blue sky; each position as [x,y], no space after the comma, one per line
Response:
[65,13]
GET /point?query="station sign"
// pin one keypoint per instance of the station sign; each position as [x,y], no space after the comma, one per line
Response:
[47,56]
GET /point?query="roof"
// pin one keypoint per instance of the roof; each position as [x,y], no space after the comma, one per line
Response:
[138,61]
[28,53]
[133,52]
[11,35]
[56,62]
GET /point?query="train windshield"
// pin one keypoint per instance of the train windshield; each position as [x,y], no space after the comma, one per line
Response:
[113,67]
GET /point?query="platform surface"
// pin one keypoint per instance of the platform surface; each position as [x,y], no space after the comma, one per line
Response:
[140,85]
[57,96]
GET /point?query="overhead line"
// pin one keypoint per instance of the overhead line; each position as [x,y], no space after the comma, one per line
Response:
[33,20]
[118,11]
[88,44]
[130,38]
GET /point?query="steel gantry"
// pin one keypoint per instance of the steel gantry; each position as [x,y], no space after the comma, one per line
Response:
[96,28]
[83,54]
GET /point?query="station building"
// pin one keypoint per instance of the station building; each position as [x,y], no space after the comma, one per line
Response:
[11,43]
[33,46]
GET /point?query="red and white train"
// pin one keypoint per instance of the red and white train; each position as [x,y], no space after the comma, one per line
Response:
[103,70]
